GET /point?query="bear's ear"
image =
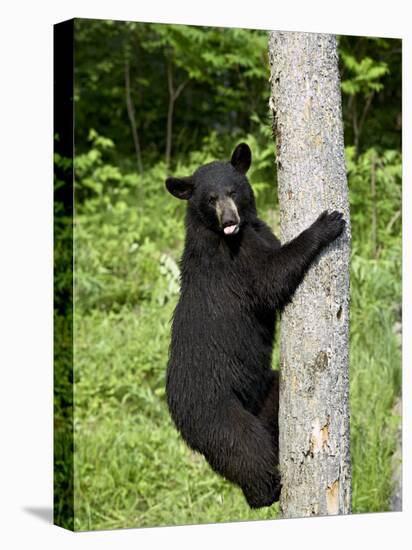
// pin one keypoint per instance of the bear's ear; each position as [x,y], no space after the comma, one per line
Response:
[241,158]
[182,188]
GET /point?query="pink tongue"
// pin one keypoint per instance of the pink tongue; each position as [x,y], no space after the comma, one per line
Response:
[229,229]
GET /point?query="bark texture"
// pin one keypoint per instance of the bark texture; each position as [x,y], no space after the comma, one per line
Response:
[314,388]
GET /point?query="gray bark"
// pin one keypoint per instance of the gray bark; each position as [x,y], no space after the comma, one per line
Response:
[314,378]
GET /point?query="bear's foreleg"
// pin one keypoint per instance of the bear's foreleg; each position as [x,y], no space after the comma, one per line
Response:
[291,261]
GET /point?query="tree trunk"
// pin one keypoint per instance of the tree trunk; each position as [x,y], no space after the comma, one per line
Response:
[173,95]
[374,208]
[169,124]
[132,117]
[314,387]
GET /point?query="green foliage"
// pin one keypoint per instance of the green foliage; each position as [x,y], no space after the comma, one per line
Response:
[375,346]
[228,65]
[131,467]
[365,75]
[63,340]
[376,199]
[375,377]
[371,70]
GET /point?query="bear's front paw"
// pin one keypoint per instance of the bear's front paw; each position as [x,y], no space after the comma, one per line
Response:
[330,226]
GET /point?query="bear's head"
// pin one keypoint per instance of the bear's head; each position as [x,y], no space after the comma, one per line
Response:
[219,193]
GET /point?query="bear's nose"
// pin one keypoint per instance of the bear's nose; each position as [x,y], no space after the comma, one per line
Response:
[230,219]
[229,215]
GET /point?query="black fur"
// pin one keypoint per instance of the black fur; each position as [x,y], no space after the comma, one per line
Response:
[221,390]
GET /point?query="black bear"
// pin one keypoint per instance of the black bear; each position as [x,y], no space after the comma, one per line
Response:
[235,276]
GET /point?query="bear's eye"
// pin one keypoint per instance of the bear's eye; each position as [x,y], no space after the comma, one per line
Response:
[212,199]
[232,194]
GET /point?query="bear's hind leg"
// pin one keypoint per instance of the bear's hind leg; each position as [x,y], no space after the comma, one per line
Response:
[243,451]
[269,413]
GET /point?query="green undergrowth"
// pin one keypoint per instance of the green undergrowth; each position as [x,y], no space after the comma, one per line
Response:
[131,467]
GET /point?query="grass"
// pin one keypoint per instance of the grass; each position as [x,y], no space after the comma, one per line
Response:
[375,383]
[131,467]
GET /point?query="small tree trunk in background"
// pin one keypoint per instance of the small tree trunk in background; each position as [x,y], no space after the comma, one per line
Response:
[374,208]
[169,125]
[173,95]
[132,117]
[314,388]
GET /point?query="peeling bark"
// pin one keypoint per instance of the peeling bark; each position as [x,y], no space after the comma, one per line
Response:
[314,379]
